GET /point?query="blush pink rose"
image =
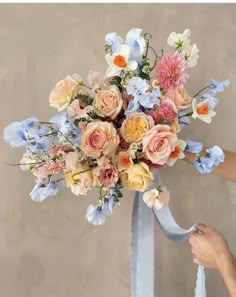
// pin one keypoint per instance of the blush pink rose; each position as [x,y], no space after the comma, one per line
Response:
[99,138]
[74,110]
[109,176]
[158,143]
[181,98]
[109,101]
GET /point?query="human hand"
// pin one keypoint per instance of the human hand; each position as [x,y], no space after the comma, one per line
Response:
[209,247]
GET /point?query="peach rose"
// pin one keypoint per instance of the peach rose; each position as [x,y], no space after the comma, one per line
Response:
[74,110]
[181,98]
[158,144]
[108,176]
[135,126]
[109,101]
[99,138]
[61,95]
[138,177]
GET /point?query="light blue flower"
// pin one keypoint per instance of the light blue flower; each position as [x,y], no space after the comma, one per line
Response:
[211,100]
[203,166]
[193,147]
[95,215]
[18,134]
[184,121]
[133,106]
[42,191]
[216,155]
[136,44]
[217,87]
[113,40]
[137,86]
[150,99]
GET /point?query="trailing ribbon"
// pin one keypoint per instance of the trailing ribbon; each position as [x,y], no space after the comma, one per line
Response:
[142,246]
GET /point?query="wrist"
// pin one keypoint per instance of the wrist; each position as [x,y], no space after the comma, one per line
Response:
[226,263]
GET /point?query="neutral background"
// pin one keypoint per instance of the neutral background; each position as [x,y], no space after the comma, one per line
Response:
[48,249]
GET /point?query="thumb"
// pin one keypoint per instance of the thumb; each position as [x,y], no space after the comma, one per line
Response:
[201,227]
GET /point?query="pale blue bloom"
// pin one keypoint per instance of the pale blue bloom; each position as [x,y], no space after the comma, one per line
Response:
[150,99]
[217,87]
[113,40]
[184,121]
[203,166]
[216,154]
[193,147]
[42,191]
[137,86]
[136,44]
[62,123]
[133,106]
[211,100]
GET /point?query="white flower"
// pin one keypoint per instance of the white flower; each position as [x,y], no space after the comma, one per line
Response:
[179,40]
[202,111]
[154,198]
[119,61]
[136,44]
[177,153]
[191,55]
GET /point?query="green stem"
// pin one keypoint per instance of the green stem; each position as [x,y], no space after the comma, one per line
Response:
[186,115]
[78,173]
[46,123]
[200,91]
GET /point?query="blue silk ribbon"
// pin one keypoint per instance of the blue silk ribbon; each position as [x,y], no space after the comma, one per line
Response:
[142,246]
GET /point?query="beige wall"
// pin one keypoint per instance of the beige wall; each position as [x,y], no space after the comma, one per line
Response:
[48,249]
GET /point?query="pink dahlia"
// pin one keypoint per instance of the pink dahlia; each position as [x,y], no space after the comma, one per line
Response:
[170,72]
[163,112]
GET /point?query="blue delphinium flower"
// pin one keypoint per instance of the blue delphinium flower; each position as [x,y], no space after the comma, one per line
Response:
[217,87]
[42,191]
[136,44]
[114,40]
[193,147]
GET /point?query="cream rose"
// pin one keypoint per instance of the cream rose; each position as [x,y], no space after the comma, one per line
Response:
[135,127]
[61,95]
[138,177]
[181,98]
[158,143]
[109,101]
[99,138]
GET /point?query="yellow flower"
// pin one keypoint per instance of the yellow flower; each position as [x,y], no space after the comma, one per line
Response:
[135,126]
[138,177]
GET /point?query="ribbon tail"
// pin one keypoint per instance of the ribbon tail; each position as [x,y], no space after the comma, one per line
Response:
[142,249]
[200,290]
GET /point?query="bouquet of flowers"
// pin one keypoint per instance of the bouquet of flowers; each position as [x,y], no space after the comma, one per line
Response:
[114,131]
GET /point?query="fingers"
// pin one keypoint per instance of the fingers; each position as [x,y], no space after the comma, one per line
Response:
[202,227]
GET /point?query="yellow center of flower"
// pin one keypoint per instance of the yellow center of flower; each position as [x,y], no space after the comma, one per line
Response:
[203,109]
[120,61]
[135,128]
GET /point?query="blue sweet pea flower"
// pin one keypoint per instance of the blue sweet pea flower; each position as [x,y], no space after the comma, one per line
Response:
[137,86]
[133,106]
[113,40]
[203,165]
[217,87]
[211,100]
[136,44]
[95,215]
[184,121]
[149,100]
[42,191]
[193,147]
[216,155]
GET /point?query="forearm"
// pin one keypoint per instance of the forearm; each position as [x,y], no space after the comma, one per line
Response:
[227,169]
[227,269]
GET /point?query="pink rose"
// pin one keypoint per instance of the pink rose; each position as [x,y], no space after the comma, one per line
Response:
[158,143]
[181,98]
[99,138]
[74,110]
[109,101]
[109,176]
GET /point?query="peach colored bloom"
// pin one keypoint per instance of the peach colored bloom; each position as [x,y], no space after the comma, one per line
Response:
[124,161]
[181,98]
[44,171]
[61,95]
[74,110]
[108,176]
[109,101]
[175,127]
[135,126]
[158,144]
[138,177]
[97,80]
[154,198]
[72,161]
[170,72]
[99,138]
